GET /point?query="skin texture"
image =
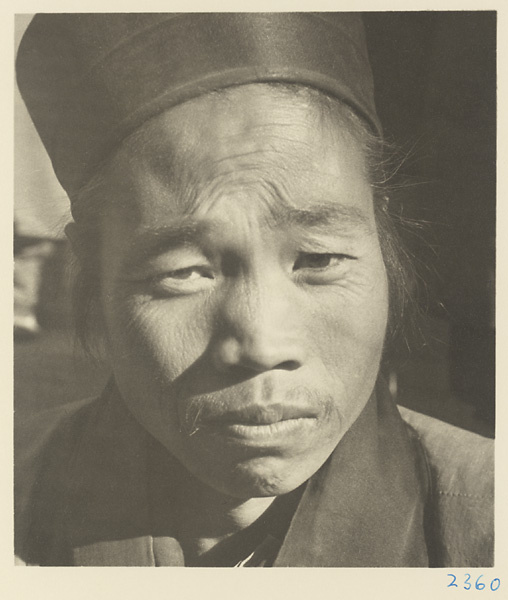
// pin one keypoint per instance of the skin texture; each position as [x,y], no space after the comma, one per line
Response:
[243,288]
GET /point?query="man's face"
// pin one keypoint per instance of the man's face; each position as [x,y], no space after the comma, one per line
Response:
[243,288]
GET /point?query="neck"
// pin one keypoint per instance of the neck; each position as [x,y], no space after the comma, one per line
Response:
[199,516]
[206,517]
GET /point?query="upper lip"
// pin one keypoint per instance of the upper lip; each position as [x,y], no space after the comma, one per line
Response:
[261,414]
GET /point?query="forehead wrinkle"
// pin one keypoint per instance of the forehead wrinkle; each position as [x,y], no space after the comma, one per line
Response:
[252,182]
[256,156]
[283,214]
[191,189]
[159,180]
[269,133]
[282,208]
[246,191]
[171,179]
[169,176]
[282,205]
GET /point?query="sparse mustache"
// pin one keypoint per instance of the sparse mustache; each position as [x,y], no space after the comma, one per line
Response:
[210,409]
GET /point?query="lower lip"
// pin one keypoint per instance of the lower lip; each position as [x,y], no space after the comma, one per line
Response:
[264,434]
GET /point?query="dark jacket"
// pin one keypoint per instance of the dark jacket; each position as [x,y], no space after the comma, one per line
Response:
[400,490]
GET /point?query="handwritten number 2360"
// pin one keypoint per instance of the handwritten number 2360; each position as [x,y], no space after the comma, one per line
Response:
[478,585]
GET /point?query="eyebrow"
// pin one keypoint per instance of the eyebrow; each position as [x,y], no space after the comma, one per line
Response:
[152,241]
[323,217]
[187,230]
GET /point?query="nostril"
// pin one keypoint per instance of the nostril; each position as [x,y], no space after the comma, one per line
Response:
[288,365]
[251,355]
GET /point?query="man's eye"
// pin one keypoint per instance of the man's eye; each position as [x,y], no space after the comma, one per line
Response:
[189,273]
[318,261]
[188,280]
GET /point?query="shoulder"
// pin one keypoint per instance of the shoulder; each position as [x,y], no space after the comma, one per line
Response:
[34,432]
[462,462]
[461,507]
[81,472]
[56,428]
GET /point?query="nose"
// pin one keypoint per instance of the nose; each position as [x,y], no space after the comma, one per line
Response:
[257,330]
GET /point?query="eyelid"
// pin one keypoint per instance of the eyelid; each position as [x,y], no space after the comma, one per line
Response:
[173,260]
[204,269]
[168,284]
[326,243]
[339,255]
[322,275]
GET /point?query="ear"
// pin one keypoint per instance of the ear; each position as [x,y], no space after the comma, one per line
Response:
[74,235]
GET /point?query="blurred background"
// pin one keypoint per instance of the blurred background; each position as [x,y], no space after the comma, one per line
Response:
[435,81]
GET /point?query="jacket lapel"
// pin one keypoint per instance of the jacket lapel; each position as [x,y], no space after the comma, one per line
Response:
[108,522]
[365,507]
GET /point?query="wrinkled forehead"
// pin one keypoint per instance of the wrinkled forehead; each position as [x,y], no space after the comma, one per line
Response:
[254,142]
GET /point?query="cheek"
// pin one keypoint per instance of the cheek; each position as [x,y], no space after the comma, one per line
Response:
[349,340]
[156,336]
[349,321]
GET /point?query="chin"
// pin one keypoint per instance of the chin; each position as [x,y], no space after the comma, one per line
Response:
[263,477]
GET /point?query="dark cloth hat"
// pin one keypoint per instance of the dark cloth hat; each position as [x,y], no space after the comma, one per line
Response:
[89,80]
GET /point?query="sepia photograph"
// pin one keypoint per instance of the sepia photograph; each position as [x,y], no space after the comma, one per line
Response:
[254,289]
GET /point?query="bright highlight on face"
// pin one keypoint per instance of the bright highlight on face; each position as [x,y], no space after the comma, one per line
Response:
[243,287]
